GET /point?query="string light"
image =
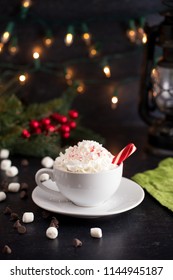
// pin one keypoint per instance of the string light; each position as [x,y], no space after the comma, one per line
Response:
[142,36]
[22,78]
[80,88]
[13,48]
[48,40]
[131,32]
[69,36]
[26,3]
[1,47]
[6,35]
[114,100]
[36,57]
[106,68]
[86,36]
[136,34]
[69,76]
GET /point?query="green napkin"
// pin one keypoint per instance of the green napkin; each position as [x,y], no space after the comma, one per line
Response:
[158,182]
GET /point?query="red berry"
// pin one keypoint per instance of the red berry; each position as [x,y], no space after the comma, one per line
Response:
[72,124]
[50,128]
[66,135]
[73,114]
[34,124]
[45,121]
[65,128]
[26,133]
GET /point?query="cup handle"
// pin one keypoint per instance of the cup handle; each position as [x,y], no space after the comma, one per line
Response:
[39,182]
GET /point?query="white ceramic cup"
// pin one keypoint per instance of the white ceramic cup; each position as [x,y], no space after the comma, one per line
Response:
[83,189]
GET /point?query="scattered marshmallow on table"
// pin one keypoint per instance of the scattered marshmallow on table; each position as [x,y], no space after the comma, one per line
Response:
[2,196]
[13,187]
[28,217]
[12,171]
[96,232]
[52,232]
[4,153]
[47,162]
[5,164]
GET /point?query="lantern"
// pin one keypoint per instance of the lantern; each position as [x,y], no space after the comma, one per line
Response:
[156,91]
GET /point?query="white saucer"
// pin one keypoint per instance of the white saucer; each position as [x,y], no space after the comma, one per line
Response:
[128,196]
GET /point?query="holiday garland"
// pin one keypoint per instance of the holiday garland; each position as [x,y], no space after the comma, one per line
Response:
[41,129]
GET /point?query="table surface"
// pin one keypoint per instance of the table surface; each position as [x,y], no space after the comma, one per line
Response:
[144,232]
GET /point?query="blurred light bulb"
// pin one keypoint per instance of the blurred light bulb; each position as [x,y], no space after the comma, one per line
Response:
[22,78]
[86,37]
[13,50]
[69,39]
[114,102]
[80,88]
[107,71]
[92,51]
[144,38]
[114,99]
[26,3]
[5,37]
[48,42]
[36,55]
[131,34]
[1,47]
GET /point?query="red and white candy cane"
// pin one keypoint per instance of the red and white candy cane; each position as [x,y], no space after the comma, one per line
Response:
[124,153]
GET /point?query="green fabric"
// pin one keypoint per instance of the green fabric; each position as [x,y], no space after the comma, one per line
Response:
[158,182]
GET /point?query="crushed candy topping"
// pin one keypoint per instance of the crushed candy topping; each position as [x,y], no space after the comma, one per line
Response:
[86,157]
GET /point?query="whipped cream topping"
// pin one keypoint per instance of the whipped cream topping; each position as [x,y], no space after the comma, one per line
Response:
[86,157]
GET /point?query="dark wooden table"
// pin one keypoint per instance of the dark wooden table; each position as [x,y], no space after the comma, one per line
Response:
[145,232]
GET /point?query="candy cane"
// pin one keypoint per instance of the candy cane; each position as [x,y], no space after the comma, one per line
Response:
[124,153]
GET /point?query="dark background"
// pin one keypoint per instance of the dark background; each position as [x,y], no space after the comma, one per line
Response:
[108,22]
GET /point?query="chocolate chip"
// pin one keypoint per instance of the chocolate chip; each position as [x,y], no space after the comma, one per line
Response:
[23,194]
[24,162]
[54,222]
[14,216]
[6,250]
[17,224]
[23,186]
[21,229]
[7,211]
[77,242]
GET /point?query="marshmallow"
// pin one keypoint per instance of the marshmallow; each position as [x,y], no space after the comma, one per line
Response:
[13,187]
[52,232]
[2,196]
[44,177]
[47,162]
[28,217]
[4,153]
[96,232]
[12,171]
[5,164]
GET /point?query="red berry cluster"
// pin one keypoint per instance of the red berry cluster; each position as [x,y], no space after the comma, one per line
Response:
[55,123]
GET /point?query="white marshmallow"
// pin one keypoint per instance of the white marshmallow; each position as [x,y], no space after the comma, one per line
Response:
[44,177]
[5,164]
[14,187]
[4,153]
[96,232]
[2,196]
[28,217]
[12,171]
[47,162]
[52,232]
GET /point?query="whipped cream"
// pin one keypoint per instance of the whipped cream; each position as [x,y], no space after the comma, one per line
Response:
[86,157]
